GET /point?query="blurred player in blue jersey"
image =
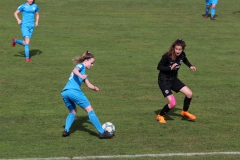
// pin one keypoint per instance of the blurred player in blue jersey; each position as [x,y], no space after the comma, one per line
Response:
[72,95]
[210,3]
[29,10]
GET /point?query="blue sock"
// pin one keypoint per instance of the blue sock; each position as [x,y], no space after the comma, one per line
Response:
[69,121]
[95,121]
[18,41]
[206,10]
[26,50]
[213,12]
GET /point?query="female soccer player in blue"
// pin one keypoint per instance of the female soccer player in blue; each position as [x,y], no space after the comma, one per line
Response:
[73,95]
[168,80]
[212,3]
[29,10]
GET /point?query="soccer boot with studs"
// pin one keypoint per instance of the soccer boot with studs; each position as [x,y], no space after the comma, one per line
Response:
[161,119]
[187,114]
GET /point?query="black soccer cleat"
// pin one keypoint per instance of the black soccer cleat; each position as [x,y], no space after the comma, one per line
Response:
[65,133]
[105,135]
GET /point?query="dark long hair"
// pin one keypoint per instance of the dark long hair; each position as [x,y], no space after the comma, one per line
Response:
[178,42]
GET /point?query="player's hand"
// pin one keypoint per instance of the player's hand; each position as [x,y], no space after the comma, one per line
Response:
[173,66]
[36,24]
[193,68]
[19,21]
[95,88]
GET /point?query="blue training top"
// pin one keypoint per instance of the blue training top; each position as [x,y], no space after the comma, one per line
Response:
[74,81]
[28,13]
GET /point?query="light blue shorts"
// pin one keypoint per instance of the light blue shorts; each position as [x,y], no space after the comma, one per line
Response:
[210,2]
[27,31]
[72,97]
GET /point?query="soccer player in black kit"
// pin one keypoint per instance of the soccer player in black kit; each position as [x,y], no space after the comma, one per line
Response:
[168,79]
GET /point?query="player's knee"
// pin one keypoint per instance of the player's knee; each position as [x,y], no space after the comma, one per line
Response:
[88,109]
[26,40]
[73,111]
[172,102]
[189,94]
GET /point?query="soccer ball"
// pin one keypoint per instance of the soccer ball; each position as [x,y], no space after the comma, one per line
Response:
[108,126]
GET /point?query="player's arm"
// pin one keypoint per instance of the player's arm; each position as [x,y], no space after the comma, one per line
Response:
[90,85]
[76,72]
[162,64]
[185,60]
[37,18]
[16,16]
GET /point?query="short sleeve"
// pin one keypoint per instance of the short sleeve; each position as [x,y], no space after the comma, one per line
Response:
[20,8]
[37,9]
[79,66]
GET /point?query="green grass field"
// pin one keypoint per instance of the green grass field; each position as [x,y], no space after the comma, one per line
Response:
[128,38]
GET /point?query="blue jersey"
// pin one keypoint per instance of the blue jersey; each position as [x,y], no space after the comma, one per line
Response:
[74,81]
[28,13]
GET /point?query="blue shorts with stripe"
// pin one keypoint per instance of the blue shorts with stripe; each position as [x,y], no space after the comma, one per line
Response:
[71,97]
[27,30]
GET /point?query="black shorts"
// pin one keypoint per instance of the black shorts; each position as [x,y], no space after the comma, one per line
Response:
[167,84]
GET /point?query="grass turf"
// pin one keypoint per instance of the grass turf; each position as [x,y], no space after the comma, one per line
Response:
[127,38]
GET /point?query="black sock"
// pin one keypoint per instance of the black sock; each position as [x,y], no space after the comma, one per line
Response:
[186,103]
[164,110]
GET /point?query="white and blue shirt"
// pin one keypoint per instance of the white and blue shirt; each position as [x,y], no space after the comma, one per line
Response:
[28,13]
[75,82]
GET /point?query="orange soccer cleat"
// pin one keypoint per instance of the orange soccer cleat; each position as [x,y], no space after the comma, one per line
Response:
[161,119]
[189,115]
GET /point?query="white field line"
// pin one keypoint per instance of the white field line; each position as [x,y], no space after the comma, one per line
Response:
[131,156]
